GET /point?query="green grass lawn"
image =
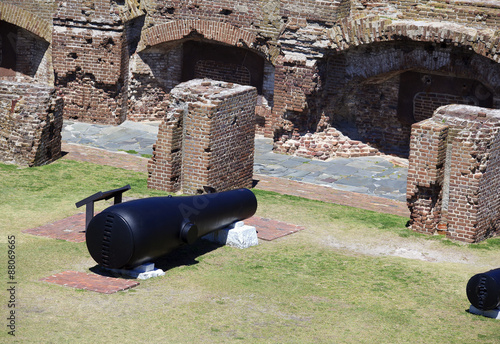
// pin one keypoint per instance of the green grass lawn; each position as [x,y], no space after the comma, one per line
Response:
[303,288]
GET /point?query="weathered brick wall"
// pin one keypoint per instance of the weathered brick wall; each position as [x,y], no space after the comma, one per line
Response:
[153,74]
[206,138]
[30,123]
[361,92]
[243,14]
[44,9]
[323,12]
[25,56]
[478,13]
[453,173]
[326,63]
[89,54]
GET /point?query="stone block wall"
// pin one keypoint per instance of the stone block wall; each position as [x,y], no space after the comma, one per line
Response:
[206,138]
[453,173]
[30,124]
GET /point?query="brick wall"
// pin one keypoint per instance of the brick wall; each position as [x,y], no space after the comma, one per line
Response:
[30,123]
[206,138]
[89,55]
[153,74]
[477,13]
[243,13]
[222,71]
[452,175]
[44,9]
[326,63]
[366,94]
[326,12]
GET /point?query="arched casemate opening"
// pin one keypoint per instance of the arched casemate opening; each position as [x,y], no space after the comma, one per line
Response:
[24,56]
[370,95]
[162,63]
[30,107]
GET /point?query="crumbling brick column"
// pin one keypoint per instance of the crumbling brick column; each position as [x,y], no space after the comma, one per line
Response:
[206,138]
[30,124]
[453,173]
[426,174]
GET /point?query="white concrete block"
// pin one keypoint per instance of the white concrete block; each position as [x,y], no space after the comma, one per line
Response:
[236,235]
[145,267]
[143,272]
[494,313]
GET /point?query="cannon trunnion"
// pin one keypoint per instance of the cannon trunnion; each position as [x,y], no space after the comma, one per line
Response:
[129,234]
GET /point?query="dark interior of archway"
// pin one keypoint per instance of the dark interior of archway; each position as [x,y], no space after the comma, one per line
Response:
[8,57]
[380,111]
[221,62]
[422,93]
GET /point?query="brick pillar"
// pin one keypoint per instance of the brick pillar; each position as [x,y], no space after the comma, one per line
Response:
[426,174]
[464,186]
[30,123]
[164,167]
[453,173]
[217,144]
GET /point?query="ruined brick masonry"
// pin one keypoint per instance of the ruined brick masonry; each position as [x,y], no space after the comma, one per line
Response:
[333,78]
[30,123]
[205,139]
[453,173]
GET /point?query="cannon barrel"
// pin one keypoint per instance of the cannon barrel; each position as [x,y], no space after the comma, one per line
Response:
[483,290]
[129,234]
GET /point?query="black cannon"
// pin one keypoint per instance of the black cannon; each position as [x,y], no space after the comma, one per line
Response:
[483,290]
[129,234]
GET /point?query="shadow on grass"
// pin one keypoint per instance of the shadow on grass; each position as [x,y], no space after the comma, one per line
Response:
[185,255]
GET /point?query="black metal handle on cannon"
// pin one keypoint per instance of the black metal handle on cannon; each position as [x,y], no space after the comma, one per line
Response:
[89,201]
[129,234]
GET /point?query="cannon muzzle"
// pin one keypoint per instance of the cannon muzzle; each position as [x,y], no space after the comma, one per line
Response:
[483,290]
[129,234]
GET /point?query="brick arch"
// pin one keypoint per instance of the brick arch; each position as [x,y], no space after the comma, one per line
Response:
[368,30]
[456,41]
[216,31]
[26,20]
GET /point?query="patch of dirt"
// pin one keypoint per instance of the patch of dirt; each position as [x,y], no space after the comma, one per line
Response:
[411,248]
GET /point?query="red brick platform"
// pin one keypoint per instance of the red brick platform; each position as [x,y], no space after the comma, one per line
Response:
[92,282]
[70,229]
[73,228]
[268,229]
